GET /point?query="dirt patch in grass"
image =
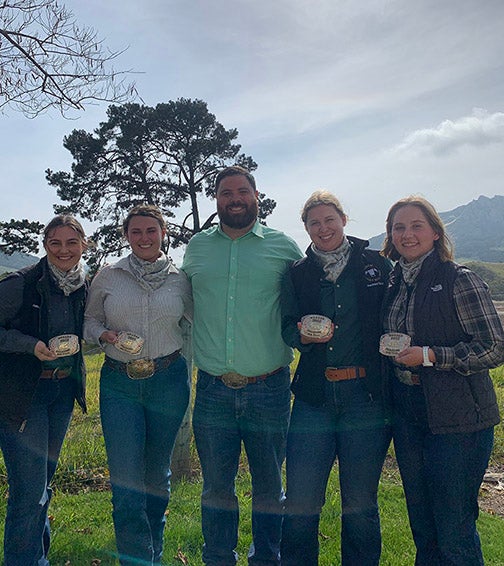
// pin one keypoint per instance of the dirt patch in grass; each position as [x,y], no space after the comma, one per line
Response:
[491,497]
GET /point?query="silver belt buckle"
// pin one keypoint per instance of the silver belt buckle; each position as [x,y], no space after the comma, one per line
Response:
[64,345]
[129,343]
[404,376]
[234,380]
[315,326]
[142,368]
[393,342]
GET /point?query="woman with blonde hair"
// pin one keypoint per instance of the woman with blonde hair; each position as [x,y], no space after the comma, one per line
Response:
[331,303]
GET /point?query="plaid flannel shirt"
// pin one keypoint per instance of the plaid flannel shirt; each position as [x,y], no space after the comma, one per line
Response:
[477,316]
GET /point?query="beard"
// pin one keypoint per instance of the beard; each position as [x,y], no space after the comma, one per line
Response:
[238,221]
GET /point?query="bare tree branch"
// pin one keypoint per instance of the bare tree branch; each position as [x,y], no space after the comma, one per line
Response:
[48,61]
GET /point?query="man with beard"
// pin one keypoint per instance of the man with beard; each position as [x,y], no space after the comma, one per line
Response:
[243,390]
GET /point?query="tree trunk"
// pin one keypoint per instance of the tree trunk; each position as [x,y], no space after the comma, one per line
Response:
[181,459]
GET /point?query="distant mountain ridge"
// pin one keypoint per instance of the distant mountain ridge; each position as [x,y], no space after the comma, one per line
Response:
[16,261]
[476,229]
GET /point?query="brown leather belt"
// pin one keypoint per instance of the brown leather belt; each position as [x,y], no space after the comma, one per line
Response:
[341,374]
[235,380]
[57,373]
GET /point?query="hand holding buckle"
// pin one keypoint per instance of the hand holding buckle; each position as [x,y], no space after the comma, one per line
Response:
[64,345]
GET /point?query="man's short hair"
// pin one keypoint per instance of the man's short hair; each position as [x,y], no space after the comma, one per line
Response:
[234,170]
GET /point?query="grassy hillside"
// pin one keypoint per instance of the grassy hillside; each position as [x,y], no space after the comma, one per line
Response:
[492,273]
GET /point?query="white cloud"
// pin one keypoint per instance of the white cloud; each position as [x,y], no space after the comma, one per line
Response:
[316,89]
[284,68]
[481,128]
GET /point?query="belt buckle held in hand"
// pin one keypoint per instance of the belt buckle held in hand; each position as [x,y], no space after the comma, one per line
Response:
[64,345]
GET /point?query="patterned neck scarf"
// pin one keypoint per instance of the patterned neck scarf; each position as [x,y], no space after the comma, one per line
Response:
[410,270]
[333,262]
[68,281]
[150,274]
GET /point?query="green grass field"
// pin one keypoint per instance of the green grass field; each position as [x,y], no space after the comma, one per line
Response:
[81,509]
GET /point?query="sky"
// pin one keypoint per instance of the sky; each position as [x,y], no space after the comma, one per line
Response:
[373,100]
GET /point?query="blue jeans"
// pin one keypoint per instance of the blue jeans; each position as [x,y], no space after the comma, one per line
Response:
[31,457]
[258,416]
[351,427]
[140,420]
[441,475]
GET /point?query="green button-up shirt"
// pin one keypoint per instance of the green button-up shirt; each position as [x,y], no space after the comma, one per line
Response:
[236,291]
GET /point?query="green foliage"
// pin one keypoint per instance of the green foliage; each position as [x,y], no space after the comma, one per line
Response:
[167,155]
[20,236]
[497,458]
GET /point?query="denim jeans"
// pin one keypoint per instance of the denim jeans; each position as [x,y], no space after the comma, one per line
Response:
[31,457]
[258,416]
[140,420]
[441,475]
[351,427]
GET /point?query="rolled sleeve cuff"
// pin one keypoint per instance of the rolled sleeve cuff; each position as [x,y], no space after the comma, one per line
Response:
[445,357]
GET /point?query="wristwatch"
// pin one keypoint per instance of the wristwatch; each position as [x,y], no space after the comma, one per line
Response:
[426,362]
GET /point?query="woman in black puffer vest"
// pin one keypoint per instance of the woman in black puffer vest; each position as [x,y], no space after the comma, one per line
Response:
[444,404]
[339,411]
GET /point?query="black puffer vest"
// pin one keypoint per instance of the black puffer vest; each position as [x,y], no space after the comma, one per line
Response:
[371,273]
[455,403]
[19,373]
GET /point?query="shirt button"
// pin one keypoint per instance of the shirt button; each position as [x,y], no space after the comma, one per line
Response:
[330,348]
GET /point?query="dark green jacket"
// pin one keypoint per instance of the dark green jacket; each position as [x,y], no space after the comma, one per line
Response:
[304,288]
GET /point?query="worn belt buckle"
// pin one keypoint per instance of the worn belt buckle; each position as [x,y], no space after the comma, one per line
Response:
[129,342]
[315,326]
[234,380]
[405,376]
[64,345]
[393,342]
[142,368]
